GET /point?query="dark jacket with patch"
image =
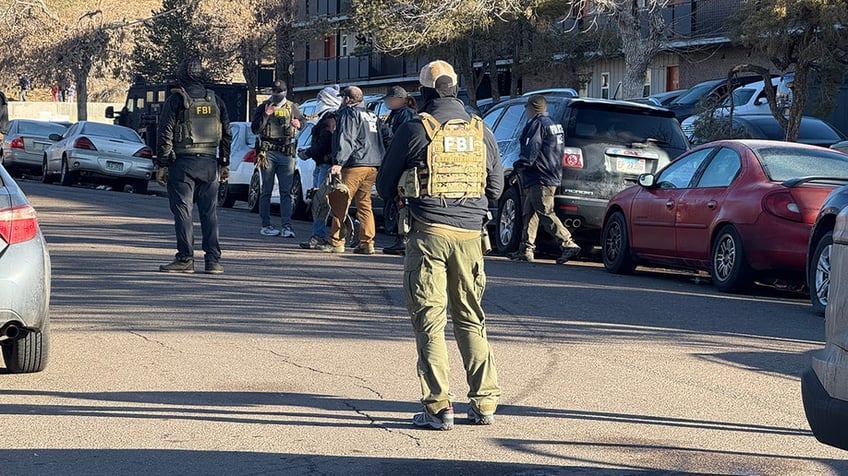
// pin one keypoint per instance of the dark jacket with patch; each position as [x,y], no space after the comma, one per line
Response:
[172,112]
[359,139]
[540,160]
[409,149]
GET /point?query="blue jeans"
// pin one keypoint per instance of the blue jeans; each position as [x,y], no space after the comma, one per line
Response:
[319,224]
[280,167]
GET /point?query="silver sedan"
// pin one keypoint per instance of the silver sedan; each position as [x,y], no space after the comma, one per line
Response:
[24,282]
[101,152]
[24,143]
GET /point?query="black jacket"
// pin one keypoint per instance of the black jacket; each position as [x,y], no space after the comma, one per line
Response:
[399,116]
[540,160]
[409,149]
[359,139]
[171,113]
[321,147]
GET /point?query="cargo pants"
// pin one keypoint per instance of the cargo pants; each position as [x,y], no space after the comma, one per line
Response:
[360,181]
[443,269]
[538,208]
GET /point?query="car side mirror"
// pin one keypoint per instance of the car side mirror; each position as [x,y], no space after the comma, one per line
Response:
[110,112]
[647,180]
[55,137]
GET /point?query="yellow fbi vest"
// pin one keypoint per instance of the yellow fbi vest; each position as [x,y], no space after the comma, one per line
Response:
[456,160]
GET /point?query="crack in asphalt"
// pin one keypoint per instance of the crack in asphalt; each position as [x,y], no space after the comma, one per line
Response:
[154,341]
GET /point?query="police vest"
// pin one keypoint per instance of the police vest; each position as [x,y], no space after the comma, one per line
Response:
[199,130]
[456,160]
[278,127]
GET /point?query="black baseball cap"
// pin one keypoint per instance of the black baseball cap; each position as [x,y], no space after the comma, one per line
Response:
[396,92]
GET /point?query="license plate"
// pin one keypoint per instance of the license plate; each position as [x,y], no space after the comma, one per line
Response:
[630,166]
[116,166]
[38,147]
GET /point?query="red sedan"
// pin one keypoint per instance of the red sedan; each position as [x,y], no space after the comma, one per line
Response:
[741,209]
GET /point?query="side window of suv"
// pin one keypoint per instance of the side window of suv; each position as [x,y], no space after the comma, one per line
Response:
[510,122]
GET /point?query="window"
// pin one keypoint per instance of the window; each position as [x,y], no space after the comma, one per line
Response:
[130,105]
[512,120]
[646,91]
[161,97]
[721,170]
[492,117]
[679,174]
[343,46]
[605,85]
[783,163]
[330,47]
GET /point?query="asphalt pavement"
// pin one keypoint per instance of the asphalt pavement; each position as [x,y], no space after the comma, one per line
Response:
[296,362]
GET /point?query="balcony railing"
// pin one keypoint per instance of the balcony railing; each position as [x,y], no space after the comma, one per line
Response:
[353,69]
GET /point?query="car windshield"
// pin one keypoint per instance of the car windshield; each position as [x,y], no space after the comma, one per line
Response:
[626,126]
[785,163]
[107,130]
[695,94]
[740,96]
[40,129]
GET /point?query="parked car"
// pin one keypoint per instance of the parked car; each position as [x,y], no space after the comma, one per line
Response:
[702,94]
[813,131]
[24,283]
[748,99]
[566,92]
[607,143]
[665,98]
[24,142]
[101,152]
[820,247]
[824,386]
[841,146]
[237,187]
[308,108]
[740,209]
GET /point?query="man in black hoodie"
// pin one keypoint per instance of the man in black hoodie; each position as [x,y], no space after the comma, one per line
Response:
[194,141]
[450,167]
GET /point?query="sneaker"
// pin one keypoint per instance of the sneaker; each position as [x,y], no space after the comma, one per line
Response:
[567,253]
[329,248]
[314,243]
[478,418]
[364,250]
[440,421]
[521,256]
[213,267]
[178,266]
[269,231]
[288,232]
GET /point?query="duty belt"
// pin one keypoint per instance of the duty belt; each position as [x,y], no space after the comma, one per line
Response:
[275,146]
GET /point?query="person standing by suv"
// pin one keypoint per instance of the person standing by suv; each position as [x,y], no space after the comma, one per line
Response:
[358,148]
[276,122]
[540,169]
[194,140]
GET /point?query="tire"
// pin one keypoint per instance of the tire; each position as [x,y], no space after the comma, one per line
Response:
[226,197]
[46,177]
[300,209]
[615,246]
[140,186]
[819,273]
[729,266]
[509,223]
[27,354]
[67,177]
[253,191]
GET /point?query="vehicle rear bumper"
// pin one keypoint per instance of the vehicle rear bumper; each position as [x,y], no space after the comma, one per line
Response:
[18,158]
[131,168]
[786,251]
[827,416]
[25,284]
[581,214]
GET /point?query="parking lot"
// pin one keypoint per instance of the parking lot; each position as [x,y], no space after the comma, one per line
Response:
[296,362]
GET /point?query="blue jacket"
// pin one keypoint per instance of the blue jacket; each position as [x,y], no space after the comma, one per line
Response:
[360,137]
[540,161]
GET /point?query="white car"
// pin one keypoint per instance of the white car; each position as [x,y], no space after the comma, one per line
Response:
[246,182]
[102,152]
[748,99]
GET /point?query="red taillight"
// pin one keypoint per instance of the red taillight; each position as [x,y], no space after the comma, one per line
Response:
[18,224]
[783,205]
[250,157]
[572,157]
[145,153]
[17,143]
[84,143]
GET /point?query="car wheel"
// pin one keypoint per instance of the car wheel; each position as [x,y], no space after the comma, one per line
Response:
[67,178]
[615,246]
[27,354]
[729,270]
[509,221]
[226,198]
[253,191]
[46,177]
[300,209]
[819,273]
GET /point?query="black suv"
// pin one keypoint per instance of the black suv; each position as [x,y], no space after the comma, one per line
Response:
[607,143]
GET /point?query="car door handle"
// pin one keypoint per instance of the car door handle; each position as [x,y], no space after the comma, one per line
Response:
[712,204]
[669,204]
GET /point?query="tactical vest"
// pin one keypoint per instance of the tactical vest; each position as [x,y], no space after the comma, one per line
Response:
[456,161]
[278,127]
[199,131]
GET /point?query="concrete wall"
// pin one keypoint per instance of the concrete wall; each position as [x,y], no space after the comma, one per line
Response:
[59,111]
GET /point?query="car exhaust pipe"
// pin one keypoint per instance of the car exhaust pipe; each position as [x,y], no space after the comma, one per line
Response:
[577,222]
[10,332]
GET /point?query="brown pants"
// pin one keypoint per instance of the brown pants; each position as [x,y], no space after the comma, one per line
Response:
[360,181]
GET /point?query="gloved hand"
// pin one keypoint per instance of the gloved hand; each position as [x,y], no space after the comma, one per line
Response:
[162,175]
[224,173]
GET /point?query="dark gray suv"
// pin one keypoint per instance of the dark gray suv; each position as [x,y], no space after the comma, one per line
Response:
[608,144]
